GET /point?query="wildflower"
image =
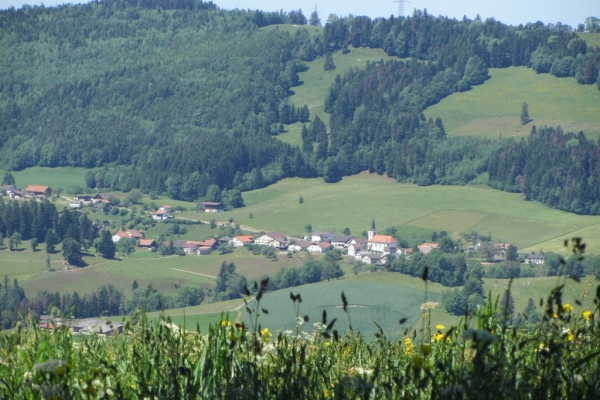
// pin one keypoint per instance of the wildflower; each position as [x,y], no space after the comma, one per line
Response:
[555,315]
[409,345]
[426,348]
[567,307]
[265,334]
[327,394]
[133,386]
[587,315]
[225,323]
[570,336]
[440,327]
[438,336]
[326,343]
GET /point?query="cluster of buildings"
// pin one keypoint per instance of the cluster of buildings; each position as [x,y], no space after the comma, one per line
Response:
[86,326]
[37,192]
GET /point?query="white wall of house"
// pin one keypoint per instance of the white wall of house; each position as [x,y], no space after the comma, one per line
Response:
[313,248]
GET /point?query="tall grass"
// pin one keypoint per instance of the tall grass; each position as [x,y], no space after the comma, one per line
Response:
[482,357]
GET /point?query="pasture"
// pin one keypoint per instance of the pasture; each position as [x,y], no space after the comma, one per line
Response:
[415,210]
[494,108]
[592,39]
[367,303]
[63,177]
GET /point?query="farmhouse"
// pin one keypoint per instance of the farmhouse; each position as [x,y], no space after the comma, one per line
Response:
[8,188]
[535,258]
[275,239]
[148,243]
[129,234]
[165,207]
[16,194]
[211,206]
[373,259]
[299,245]
[321,236]
[356,246]
[38,191]
[101,327]
[118,236]
[161,215]
[426,248]
[341,241]
[82,197]
[240,241]
[320,247]
[102,198]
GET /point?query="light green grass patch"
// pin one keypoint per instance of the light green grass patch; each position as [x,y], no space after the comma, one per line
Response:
[191,322]
[367,303]
[204,308]
[455,221]
[592,39]
[495,107]
[63,177]
[590,235]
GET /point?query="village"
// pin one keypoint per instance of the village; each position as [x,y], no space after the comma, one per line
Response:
[375,249]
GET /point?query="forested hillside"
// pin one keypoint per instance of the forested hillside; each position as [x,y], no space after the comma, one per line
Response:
[175,97]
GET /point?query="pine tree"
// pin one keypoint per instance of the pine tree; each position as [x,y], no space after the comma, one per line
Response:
[314,19]
[329,65]
[506,307]
[106,246]
[531,312]
[525,114]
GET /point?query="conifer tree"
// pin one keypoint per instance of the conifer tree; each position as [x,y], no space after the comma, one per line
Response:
[525,114]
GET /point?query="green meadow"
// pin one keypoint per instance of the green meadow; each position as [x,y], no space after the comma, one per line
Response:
[415,210]
[63,177]
[367,303]
[592,39]
[494,108]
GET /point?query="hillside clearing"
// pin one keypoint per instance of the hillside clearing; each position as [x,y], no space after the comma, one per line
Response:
[494,108]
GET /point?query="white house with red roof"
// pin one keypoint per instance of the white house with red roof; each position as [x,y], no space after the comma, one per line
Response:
[240,241]
[376,243]
[275,239]
[319,247]
[161,215]
[38,191]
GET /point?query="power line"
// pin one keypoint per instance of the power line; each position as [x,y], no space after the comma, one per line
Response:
[400,6]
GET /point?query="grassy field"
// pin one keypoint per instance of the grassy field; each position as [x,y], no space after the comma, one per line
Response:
[415,210]
[65,177]
[592,39]
[368,303]
[316,83]
[494,108]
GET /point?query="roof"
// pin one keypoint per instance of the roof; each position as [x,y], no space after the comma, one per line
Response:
[342,238]
[122,234]
[302,243]
[374,256]
[321,233]
[432,245]
[382,239]
[501,245]
[280,237]
[244,238]
[146,242]
[134,233]
[211,203]
[165,206]
[103,196]
[323,245]
[9,187]
[36,188]
[160,212]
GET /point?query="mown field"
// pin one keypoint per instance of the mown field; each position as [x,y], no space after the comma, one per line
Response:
[592,39]
[368,303]
[65,177]
[494,108]
[415,210]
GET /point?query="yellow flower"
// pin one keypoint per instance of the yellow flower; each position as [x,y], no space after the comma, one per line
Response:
[555,315]
[409,345]
[327,394]
[225,323]
[426,349]
[570,336]
[567,307]
[587,315]
[133,386]
[265,333]
[438,336]
[326,343]
[440,327]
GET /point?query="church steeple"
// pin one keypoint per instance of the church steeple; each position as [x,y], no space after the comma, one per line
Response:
[373,231]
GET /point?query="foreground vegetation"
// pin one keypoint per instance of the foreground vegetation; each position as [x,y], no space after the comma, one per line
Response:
[556,358]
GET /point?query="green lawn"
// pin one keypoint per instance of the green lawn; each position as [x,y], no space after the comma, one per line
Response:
[592,39]
[415,210]
[494,108]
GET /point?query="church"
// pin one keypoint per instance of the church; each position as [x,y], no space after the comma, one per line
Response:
[384,244]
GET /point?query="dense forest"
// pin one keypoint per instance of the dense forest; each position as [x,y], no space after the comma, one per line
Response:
[186,99]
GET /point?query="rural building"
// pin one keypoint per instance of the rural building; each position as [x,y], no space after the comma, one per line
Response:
[38,191]
[165,207]
[118,236]
[75,204]
[211,206]
[16,194]
[203,250]
[373,231]
[91,325]
[129,234]
[319,247]
[500,250]
[356,246]
[535,258]
[148,243]
[427,248]
[240,241]
[373,259]
[161,215]
[102,198]
[341,241]
[274,239]
[8,188]
[321,236]
[82,197]
[299,245]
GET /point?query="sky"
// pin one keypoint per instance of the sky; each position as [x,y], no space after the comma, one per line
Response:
[512,12]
